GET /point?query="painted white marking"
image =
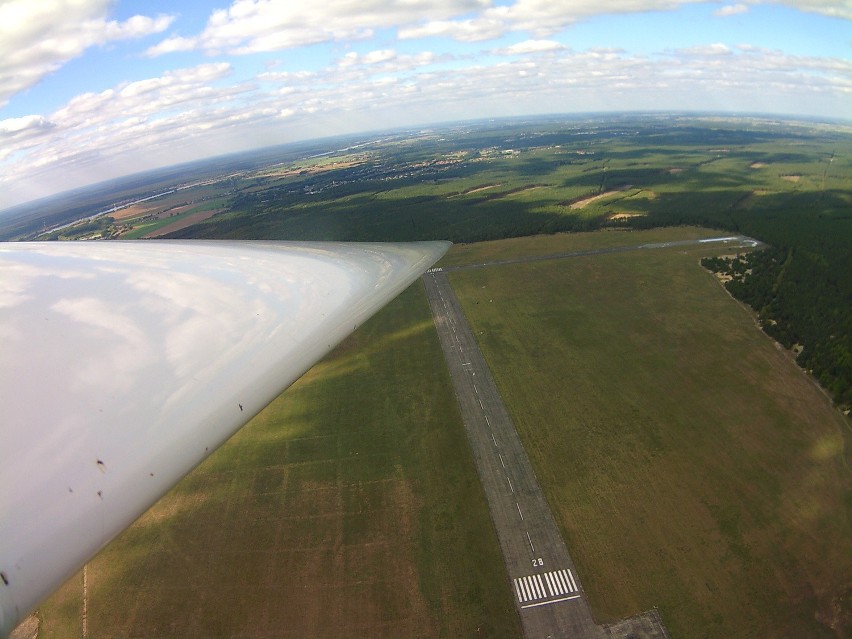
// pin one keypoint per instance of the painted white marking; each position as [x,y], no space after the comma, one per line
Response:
[487,421]
[519,511]
[502,463]
[475,389]
[536,591]
[718,239]
[480,405]
[525,586]
[540,586]
[518,591]
[534,585]
[530,540]
[564,587]
[573,583]
[550,588]
[552,601]
[564,575]
[492,439]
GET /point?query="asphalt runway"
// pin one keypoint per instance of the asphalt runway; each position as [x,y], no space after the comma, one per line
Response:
[735,241]
[545,584]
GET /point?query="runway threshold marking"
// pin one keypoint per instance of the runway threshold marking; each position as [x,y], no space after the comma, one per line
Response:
[547,588]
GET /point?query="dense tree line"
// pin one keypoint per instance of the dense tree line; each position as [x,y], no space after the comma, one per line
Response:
[800,304]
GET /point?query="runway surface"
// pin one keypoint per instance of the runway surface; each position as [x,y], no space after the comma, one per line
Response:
[545,583]
[734,241]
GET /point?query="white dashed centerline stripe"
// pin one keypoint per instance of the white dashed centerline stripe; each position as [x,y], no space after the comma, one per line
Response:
[502,463]
[512,488]
[519,511]
[530,540]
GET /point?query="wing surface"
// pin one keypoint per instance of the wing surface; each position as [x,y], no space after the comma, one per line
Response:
[124,364]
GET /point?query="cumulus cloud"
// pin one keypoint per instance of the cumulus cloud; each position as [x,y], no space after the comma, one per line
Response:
[532,46]
[200,110]
[37,38]
[543,18]
[731,10]
[832,8]
[470,30]
[254,26]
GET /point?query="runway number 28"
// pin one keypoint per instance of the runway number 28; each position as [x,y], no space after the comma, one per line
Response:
[538,562]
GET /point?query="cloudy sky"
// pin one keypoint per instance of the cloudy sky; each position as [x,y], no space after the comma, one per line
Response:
[93,89]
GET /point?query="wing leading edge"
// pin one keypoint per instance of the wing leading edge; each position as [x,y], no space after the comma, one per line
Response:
[125,364]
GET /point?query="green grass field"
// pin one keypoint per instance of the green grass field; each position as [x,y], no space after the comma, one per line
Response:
[690,464]
[350,507]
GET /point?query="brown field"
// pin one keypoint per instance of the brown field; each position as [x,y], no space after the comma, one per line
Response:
[189,220]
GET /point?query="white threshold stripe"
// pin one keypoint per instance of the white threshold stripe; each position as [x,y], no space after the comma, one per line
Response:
[552,601]
[563,580]
[540,587]
[545,585]
[550,585]
[566,587]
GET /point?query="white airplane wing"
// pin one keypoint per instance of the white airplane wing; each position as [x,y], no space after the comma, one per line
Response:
[124,364]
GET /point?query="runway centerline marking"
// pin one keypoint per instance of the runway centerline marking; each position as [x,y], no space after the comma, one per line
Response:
[519,510]
[529,539]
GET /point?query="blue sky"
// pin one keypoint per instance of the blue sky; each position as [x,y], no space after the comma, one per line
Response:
[94,89]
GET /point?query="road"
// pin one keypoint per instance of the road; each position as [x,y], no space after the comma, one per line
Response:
[545,584]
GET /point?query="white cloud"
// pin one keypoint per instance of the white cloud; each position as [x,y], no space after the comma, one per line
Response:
[832,8]
[37,38]
[543,18]
[254,26]
[532,46]
[470,30]
[188,113]
[731,10]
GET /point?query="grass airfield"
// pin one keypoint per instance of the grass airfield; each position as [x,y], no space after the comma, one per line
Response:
[349,507]
[690,464]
